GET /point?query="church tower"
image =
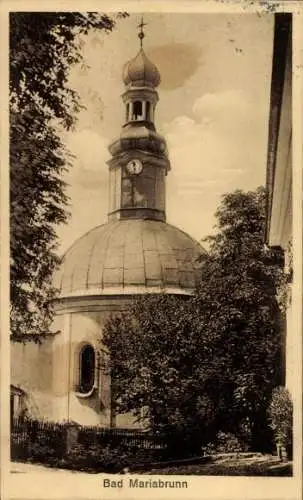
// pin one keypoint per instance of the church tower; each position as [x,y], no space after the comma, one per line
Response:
[139,162]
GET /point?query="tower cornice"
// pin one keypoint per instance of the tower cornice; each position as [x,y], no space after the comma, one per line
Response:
[142,137]
[139,93]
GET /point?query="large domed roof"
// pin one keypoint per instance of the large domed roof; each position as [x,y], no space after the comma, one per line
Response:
[130,257]
[140,71]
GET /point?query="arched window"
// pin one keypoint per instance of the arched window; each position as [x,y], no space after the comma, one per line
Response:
[127,111]
[86,369]
[137,110]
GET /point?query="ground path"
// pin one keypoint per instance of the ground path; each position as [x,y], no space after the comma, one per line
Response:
[36,482]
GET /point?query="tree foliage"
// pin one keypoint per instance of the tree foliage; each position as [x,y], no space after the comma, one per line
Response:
[280,412]
[43,46]
[159,362]
[243,276]
[209,362]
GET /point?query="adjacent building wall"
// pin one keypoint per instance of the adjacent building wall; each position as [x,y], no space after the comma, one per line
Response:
[279,170]
[31,372]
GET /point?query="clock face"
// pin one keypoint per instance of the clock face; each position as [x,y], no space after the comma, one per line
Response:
[134,166]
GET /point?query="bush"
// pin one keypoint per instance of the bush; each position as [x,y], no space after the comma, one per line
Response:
[280,413]
[107,459]
[42,452]
[94,459]
[225,442]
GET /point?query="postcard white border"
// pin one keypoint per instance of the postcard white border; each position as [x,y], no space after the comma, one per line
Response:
[38,485]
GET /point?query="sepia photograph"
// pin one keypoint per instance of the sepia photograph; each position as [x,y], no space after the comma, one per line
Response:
[153,331]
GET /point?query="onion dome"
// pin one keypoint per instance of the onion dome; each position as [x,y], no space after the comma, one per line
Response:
[141,72]
[129,257]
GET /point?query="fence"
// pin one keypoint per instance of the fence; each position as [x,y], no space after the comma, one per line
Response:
[36,439]
[26,435]
[116,437]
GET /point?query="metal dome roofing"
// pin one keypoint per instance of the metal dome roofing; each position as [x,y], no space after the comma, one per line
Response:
[141,71]
[130,257]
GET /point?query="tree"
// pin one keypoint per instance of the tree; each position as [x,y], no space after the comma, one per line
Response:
[240,279]
[280,412]
[43,46]
[159,362]
[209,362]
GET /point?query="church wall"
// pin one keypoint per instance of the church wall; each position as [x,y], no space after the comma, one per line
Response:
[60,373]
[82,322]
[86,327]
[78,329]
[127,421]
[48,373]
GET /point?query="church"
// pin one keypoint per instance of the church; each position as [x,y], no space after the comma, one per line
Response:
[135,252]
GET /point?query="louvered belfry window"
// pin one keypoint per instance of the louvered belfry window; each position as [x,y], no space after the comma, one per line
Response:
[137,110]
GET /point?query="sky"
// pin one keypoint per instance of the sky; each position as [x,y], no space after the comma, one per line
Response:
[213,111]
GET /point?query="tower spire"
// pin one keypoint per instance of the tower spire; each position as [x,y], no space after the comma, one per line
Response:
[141,33]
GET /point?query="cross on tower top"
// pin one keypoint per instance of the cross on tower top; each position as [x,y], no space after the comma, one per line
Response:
[141,33]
